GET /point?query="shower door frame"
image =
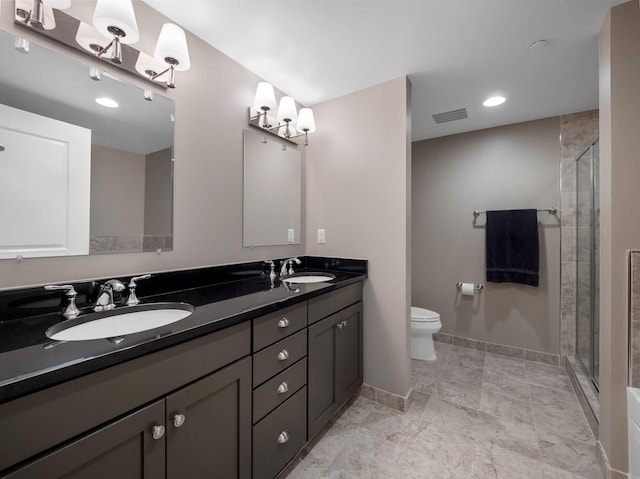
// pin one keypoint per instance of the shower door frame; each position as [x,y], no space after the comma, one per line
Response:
[594,316]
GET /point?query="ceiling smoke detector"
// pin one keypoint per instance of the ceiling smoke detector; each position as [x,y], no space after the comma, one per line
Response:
[538,44]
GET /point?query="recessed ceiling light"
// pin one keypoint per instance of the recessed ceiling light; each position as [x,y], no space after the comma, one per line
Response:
[494,101]
[108,102]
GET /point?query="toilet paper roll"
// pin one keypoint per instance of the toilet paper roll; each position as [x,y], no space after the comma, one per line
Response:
[468,289]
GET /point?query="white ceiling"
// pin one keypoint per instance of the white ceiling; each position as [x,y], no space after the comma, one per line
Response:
[456,52]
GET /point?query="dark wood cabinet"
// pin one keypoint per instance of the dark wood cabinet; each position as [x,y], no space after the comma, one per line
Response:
[209,426]
[201,430]
[335,364]
[234,404]
[125,449]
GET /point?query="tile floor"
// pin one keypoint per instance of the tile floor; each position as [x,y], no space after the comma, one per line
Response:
[475,415]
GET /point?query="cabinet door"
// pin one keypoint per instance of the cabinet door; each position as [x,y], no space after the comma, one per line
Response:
[209,426]
[124,449]
[348,352]
[322,374]
[335,364]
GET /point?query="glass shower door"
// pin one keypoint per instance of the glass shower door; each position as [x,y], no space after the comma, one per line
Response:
[587,261]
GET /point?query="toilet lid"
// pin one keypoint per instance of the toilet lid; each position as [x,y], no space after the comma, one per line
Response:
[423,315]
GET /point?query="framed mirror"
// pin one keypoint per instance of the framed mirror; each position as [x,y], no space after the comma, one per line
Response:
[272,181]
[127,165]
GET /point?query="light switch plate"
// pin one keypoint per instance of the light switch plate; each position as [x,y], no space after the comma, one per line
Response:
[290,235]
[321,236]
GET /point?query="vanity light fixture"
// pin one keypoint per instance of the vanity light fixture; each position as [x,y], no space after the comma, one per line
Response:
[116,20]
[114,28]
[171,50]
[290,123]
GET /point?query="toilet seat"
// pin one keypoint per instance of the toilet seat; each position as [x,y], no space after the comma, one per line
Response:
[423,315]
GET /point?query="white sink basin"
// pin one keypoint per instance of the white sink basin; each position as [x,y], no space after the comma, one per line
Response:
[308,278]
[119,322]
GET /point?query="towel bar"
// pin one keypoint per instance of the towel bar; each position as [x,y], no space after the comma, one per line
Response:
[551,211]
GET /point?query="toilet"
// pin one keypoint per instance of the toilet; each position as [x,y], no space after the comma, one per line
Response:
[424,323]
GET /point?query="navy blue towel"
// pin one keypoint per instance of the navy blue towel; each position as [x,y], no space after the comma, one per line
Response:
[512,247]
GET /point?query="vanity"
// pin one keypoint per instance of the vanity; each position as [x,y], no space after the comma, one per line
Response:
[235,390]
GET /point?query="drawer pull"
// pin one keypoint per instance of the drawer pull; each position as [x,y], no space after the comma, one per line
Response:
[178,420]
[283,437]
[283,355]
[157,432]
[283,323]
[283,388]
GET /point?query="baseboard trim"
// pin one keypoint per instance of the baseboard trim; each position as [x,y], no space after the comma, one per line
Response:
[512,351]
[606,469]
[394,401]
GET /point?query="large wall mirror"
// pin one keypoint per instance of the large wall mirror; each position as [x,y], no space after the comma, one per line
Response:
[272,208]
[108,169]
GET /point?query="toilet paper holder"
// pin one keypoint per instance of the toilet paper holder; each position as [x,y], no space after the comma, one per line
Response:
[477,288]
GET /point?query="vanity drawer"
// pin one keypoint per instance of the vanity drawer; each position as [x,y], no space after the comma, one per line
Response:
[277,390]
[331,303]
[279,436]
[279,356]
[276,326]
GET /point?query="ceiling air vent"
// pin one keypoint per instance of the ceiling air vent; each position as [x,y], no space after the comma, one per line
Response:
[453,115]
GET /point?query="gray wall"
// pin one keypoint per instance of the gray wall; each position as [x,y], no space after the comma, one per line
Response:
[511,167]
[357,189]
[117,192]
[158,197]
[211,102]
[619,225]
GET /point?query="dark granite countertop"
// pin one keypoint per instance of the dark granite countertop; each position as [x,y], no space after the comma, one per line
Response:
[221,296]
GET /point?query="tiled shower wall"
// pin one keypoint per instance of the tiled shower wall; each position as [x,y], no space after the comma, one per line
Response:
[577,131]
[634,334]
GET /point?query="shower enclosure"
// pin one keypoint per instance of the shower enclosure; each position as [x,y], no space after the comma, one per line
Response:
[587,261]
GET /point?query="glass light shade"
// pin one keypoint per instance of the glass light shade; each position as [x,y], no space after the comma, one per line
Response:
[87,36]
[306,120]
[287,110]
[265,97]
[59,4]
[146,62]
[172,43]
[119,14]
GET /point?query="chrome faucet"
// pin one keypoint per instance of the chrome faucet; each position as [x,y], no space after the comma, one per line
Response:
[71,310]
[105,294]
[289,262]
[132,300]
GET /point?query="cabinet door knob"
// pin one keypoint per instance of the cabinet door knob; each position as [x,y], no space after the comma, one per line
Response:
[283,388]
[283,323]
[178,420]
[283,437]
[344,323]
[283,355]
[157,432]
[340,325]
